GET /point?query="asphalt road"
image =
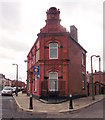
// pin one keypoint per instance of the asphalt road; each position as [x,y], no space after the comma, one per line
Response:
[95,111]
[10,111]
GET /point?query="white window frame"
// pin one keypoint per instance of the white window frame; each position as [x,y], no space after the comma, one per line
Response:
[83,81]
[83,58]
[37,56]
[35,89]
[56,79]
[29,85]
[50,52]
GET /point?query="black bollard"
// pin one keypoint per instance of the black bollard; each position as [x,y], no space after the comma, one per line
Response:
[31,105]
[70,105]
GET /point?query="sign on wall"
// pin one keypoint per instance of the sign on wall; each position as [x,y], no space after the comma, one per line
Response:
[36,70]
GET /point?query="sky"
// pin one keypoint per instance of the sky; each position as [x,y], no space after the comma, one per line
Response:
[21,21]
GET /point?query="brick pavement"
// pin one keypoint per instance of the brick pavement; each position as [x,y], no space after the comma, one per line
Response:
[23,101]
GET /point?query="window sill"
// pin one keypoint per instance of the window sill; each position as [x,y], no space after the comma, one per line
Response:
[53,58]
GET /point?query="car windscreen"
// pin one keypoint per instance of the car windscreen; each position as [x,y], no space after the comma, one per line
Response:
[7,88]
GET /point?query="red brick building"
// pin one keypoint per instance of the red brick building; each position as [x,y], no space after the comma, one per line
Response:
[60,59]
[98,79]
[7,82]
[20,84]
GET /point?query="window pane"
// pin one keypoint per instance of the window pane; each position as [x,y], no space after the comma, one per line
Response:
[37,55]
[53,53]
[53,44]
[53,50]
[52,84]
[83,81]
[53,75]
[83,59]
[53,78]
[29,85]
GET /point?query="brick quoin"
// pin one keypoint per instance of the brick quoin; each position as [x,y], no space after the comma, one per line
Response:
[68,65]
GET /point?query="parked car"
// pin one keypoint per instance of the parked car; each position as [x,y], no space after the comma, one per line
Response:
[7,90]
[13,89]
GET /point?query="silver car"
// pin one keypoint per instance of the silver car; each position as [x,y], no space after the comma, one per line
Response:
[7,90]
[13,89]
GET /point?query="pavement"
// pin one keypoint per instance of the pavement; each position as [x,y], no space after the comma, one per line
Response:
[23,101]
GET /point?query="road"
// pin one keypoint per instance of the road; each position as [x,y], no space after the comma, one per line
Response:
[94,111]
[10,110]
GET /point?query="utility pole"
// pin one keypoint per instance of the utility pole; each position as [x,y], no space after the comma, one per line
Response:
[93,98]
[16,79]
[99,75]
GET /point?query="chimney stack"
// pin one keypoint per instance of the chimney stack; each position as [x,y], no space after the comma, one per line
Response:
[73,32]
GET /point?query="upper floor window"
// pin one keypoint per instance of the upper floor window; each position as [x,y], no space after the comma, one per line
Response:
[29,64]
[53,51]
[83,59]
[37,56]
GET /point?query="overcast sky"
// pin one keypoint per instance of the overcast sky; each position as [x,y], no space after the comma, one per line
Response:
[21,21]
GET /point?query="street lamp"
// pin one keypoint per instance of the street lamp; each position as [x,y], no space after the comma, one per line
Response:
[31,96]
[93,97]
[99,75]
[16,79]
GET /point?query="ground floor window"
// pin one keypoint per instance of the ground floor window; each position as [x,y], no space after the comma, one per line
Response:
[83,80]
[35,84]
[53,81]
[28,85]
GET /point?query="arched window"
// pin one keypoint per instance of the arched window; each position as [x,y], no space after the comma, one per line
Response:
[53,51]
[53,81]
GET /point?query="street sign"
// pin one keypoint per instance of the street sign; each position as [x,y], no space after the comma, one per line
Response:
[36,70]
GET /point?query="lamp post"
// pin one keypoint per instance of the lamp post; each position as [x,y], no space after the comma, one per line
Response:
[99,75]
[93,97]
[16,79]
[31,96]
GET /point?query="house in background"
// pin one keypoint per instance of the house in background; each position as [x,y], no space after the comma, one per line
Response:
[7,82]
[21,85]
[56,61]
[2,81]
[98,81]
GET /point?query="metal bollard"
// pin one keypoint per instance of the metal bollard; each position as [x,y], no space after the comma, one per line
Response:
[70,104]
[31,104]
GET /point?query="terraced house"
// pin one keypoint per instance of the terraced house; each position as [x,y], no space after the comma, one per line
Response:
[56,61]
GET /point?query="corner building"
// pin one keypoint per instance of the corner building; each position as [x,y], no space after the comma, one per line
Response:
[61,60]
